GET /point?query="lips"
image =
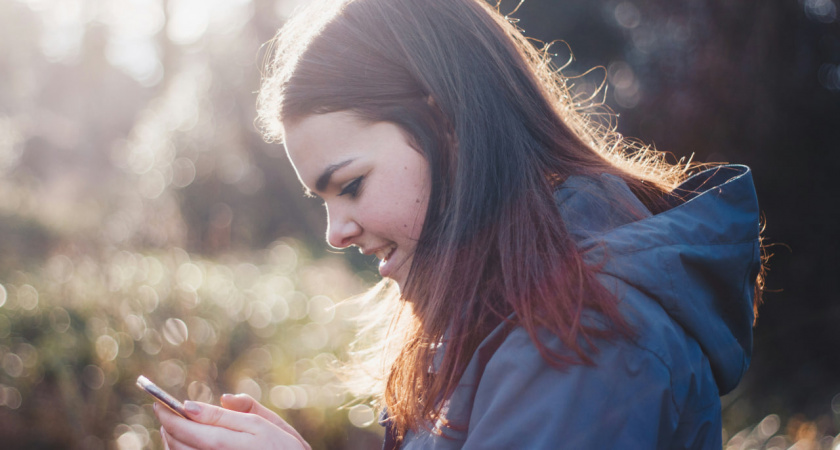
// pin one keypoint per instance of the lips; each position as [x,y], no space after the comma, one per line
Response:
[384,254]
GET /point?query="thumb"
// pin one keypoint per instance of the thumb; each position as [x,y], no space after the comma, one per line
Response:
[241,402]
[246,404]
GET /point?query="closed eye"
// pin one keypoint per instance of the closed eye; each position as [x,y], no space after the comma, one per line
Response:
[352,188]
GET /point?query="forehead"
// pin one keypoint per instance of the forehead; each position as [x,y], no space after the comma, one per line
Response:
[320,137]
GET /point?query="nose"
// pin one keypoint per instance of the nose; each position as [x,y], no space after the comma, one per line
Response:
[342,230]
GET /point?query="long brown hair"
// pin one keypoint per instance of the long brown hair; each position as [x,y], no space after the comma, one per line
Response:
[500,130]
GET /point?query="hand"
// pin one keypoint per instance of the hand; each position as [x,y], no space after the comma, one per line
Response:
[246,404]
[241,423]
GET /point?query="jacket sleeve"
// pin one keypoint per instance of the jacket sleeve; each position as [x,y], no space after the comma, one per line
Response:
[623,401]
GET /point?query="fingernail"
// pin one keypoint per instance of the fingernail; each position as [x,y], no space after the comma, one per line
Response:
[227,396]
[192,407]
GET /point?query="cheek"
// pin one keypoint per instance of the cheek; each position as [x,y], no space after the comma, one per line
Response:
[419,201]
[404,215]
[417,204]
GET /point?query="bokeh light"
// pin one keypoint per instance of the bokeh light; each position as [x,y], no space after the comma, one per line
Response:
[147,229]
[361,415]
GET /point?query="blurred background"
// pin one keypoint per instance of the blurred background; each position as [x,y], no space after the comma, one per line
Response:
[145,227]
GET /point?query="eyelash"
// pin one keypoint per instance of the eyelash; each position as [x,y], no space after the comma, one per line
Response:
[353,188]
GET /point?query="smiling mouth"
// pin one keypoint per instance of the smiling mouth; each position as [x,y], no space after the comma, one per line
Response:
[384,254]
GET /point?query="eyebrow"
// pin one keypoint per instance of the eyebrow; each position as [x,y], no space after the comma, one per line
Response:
[324,179]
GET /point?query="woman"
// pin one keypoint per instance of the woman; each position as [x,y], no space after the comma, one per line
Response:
[554,285]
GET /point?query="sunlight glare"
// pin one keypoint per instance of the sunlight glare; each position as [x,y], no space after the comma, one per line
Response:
[188,21]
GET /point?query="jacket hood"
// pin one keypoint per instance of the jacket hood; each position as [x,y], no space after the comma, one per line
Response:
[699,259]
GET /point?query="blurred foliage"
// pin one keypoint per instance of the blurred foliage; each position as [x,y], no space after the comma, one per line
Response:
[145,227]
[77,332]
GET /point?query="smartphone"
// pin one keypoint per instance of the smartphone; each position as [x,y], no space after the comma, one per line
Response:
[162,396]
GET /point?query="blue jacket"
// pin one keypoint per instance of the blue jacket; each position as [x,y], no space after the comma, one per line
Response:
[685,278]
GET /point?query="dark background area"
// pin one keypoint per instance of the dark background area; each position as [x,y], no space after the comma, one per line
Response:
[755,83]
[126,135]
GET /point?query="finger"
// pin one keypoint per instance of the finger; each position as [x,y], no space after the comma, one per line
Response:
[208,414]
[240,402]
[175,444]
[183,434]
[247,404]
[163,438]
[170,443]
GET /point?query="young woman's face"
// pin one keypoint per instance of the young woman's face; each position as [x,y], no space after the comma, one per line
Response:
[374,184]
